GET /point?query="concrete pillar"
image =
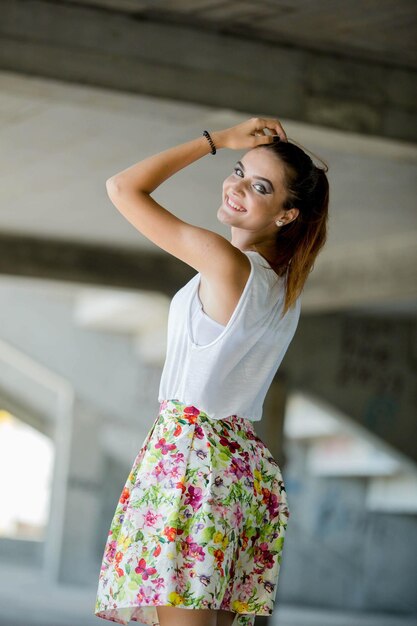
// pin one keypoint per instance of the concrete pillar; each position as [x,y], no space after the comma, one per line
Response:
[271,426]
[78,561]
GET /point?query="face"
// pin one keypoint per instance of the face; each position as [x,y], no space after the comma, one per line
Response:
[256,190]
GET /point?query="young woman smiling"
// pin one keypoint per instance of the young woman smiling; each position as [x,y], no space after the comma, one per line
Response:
[198,532]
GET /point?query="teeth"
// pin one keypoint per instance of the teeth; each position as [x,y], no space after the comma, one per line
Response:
[235,206]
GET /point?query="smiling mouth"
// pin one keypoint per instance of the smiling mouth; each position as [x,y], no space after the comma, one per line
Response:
[233,206]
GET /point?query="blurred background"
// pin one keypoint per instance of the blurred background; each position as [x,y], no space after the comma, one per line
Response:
[89,87]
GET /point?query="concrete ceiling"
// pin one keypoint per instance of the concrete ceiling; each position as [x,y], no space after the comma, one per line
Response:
[90,87]
[349,66]
[382,31]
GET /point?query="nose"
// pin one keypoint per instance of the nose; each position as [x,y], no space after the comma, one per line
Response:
[238,189]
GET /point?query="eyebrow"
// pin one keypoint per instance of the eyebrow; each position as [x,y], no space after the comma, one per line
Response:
[260,177]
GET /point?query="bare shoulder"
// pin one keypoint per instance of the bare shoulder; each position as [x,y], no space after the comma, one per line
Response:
[222,283]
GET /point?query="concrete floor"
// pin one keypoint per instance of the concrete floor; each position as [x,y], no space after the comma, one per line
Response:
[26,599]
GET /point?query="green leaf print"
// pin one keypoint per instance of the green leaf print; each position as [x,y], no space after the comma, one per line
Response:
[136,578]
[278,544]
[208,533]
[127,569]
[172,520]
[154,457]
[120,593]
[139,535]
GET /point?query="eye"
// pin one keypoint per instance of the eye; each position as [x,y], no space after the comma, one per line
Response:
[259,188]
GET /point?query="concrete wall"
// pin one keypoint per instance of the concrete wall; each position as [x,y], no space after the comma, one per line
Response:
[338,554]
[363,365]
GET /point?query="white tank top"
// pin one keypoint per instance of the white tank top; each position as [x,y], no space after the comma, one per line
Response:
[203,328]
[228,372]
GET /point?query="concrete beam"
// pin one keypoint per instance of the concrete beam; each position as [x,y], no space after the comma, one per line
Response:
[92,264]
[379,272]
[382,273]
[109,48]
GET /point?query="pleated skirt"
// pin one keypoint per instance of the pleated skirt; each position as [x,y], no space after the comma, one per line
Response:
[200,523]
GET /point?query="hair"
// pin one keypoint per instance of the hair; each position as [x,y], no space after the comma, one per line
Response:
[299,242]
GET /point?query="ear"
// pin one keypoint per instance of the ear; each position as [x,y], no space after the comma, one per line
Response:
[293,212]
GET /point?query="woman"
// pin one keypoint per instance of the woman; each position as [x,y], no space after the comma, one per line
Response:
[197,535]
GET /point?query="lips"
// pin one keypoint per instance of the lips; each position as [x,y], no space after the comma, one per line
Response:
[235,207]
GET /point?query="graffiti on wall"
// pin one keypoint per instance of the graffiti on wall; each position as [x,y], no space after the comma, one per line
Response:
[368,361]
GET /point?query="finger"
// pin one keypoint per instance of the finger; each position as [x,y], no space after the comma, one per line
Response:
[267,139]
[280,131]
[274,125]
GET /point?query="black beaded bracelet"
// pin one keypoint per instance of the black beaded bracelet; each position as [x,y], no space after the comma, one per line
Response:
[209,139]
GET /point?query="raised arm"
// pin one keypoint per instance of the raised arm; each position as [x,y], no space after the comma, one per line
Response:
[130,189]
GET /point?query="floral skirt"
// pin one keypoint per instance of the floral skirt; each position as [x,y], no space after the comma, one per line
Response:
[200,522]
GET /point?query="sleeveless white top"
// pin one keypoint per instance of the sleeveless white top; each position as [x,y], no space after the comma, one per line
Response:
[228,372]
[203,328]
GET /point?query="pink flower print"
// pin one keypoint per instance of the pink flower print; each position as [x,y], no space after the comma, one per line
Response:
[239,467]
[194,496]
[145,594]
[178,457]
[163,469]
[218,509]
[198,431]
[156,599]
[272,503]
[191,410]
[151,518]
[180,579]
[264,557]
[175,471]
[145,571]
[191,413]
[111,550]
[227,443]
[165,447]
[246,588]
[245,455]
[191,549]
[237,516]
[159,583]
[227,597]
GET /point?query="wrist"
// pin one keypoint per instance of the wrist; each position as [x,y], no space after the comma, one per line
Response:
[218,139]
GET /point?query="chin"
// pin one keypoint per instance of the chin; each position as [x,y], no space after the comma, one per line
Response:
[222,215]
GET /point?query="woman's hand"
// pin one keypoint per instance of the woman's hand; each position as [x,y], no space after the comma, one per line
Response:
[249,134]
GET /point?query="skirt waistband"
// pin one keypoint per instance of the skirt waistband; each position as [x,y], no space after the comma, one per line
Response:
[189,410]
